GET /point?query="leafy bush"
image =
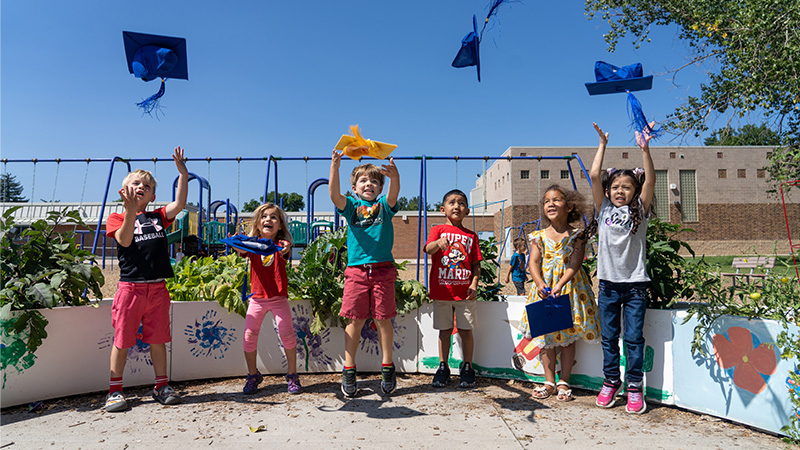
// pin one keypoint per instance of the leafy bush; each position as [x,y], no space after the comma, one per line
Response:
[665,267]
[489,284]
[206,278]
[42,269]
[320,278]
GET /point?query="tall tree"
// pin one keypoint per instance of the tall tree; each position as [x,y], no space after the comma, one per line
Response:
[754,51]
[746,135]
[291,202]
[412,204]
[11,189]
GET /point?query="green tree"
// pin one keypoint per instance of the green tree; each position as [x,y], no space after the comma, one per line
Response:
[404,204]
[753,49]
[291,202]
[746,135]
[11,189]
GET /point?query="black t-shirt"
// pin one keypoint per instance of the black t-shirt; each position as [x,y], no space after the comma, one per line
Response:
[147,258]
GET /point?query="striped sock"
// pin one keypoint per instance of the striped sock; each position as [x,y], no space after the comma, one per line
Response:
[115,385]
[387,365]
[161,382]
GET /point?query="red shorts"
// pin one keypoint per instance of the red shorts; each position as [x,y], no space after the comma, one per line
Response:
[369,291]
[140,303]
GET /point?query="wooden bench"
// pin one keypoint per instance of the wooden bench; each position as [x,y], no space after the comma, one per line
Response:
[752,263]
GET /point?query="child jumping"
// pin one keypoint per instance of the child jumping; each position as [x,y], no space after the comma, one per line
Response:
[623,199]
[142,296]
[370,274]
[454,286]
[556,256]
[269,286]
[517,266]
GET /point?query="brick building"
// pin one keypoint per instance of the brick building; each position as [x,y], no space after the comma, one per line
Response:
[720,192]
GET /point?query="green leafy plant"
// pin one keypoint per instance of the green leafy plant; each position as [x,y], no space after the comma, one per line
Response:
[42,269]
[206,278]
[665,266]
[489,284]
[320,278]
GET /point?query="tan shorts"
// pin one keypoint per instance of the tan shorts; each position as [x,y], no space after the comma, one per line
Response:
[465,312]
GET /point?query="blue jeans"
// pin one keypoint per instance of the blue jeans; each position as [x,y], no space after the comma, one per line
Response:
[626,301]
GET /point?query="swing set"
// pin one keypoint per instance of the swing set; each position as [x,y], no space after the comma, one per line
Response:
[195,235]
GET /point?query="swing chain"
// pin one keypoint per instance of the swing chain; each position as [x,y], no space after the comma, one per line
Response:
[55,181]
[456,159]
[238,179]
[33,181]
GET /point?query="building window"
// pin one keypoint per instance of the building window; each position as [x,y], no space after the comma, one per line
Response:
[523,154]
[760,173]
[525,174]
[545,175]
[661,194]
[583,175]
[722,173]
[624,155]
[719,155]
[565,174]
[741,173]
[688,196]
[671,155]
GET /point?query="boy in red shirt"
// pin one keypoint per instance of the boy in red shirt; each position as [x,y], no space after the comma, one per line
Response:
[142,296]
[454,285]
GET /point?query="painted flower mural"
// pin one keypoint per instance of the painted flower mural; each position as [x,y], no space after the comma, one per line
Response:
[208,337]
[13,349]
[310,347]
[750,361]
[369,337]
[138,355]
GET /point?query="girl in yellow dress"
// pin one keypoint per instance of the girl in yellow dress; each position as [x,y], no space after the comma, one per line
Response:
[557,252]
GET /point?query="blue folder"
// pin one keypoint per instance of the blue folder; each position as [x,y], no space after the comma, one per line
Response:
[549,315]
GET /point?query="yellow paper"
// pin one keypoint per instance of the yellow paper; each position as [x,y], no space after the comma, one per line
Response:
[356,147]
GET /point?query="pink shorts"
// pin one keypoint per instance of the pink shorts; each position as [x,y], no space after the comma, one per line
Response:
[369,291]
[140,303]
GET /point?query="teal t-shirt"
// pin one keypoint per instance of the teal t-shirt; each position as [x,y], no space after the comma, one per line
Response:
[370,234]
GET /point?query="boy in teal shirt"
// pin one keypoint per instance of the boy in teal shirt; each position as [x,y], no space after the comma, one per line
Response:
[370,275]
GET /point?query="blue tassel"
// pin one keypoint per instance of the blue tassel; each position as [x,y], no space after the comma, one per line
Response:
[493,5]
[150,104]
[638,120]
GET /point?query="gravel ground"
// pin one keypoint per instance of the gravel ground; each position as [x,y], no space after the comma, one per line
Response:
[496,414]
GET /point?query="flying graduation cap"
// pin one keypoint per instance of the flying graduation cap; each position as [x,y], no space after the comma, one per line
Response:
[252,244]
[356,146]
[469,53]
[150,56]
[610,79]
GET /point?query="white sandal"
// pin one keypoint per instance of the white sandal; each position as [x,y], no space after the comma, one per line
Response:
[564,395]
[541,392]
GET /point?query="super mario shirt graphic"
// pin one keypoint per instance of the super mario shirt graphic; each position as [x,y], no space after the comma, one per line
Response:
[455,270]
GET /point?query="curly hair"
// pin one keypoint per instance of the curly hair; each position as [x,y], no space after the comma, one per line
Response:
[573,198]
[283,230]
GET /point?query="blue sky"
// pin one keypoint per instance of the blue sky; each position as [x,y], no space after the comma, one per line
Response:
[289,78]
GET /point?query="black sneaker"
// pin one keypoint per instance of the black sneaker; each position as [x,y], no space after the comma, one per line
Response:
[166,396]
[389,381]
[349,385]
[442,376]
[467,376]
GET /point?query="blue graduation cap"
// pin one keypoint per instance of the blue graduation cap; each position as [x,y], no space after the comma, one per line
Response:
[469,53]
[252,244]
[611,79]
[549,315]
[150,56]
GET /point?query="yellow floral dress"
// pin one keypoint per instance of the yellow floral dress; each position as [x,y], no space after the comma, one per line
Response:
[555,260]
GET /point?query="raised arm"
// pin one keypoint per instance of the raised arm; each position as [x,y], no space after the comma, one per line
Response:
[597,169]
[172,209]
[648,188]
[333,182]
[391,172]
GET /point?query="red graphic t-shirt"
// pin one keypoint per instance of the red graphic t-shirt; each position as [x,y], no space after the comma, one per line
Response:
[268,276]
[451,272]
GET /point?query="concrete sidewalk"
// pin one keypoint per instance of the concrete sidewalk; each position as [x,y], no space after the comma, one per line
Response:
[497,414]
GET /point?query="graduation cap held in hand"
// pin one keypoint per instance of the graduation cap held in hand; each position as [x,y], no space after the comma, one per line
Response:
[355,146]
[610,79]
[150,56]
[549,315]
[252,244]
[469,53]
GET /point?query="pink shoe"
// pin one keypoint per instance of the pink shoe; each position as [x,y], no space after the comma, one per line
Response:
[636,403]
[608,394]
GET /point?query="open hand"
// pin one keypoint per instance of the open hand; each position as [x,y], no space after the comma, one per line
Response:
[603,136]
[180,162]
